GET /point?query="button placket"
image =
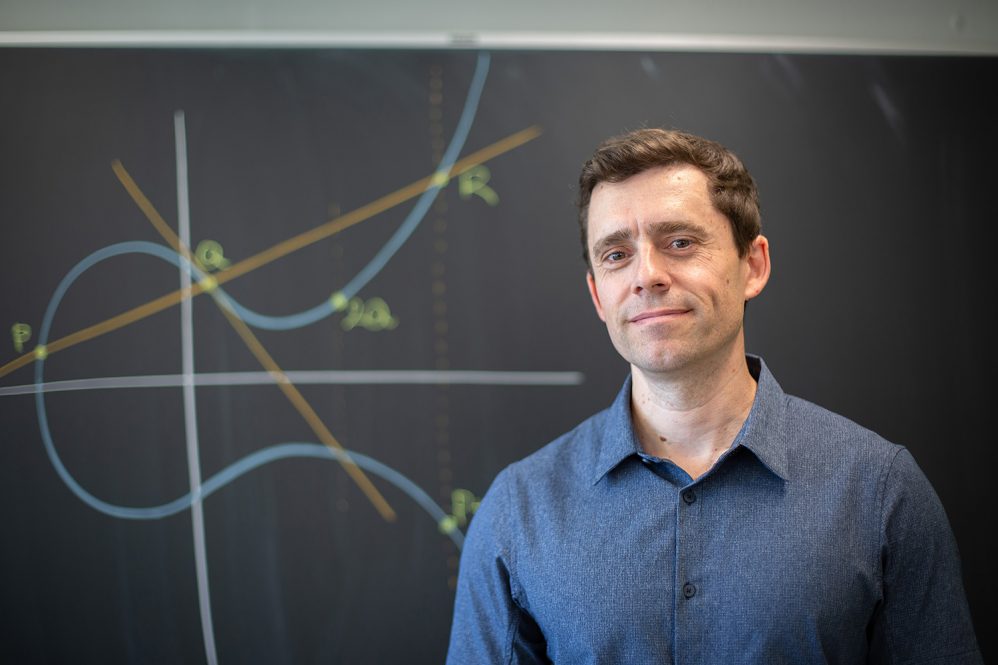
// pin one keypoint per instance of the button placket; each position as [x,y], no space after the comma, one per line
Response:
[689,497]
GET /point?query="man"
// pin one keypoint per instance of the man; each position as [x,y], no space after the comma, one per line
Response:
[706,516]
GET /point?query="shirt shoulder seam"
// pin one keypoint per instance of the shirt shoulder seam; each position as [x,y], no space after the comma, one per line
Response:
[509,541]
[881,538]
[508,548]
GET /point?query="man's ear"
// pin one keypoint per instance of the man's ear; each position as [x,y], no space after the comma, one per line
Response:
[594,294]
[758,267]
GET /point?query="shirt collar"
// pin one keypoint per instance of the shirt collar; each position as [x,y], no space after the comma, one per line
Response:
[761,434]
[617,440]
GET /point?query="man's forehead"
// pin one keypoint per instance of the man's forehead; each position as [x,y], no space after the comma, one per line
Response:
[664,194]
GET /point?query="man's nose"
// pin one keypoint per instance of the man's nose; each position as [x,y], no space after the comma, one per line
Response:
[652,272]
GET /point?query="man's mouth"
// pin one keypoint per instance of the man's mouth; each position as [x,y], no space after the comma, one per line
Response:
[658,314]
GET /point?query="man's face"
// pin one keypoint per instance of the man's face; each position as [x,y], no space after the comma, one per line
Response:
[666,275]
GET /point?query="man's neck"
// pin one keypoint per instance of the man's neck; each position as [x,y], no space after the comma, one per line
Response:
[692,417]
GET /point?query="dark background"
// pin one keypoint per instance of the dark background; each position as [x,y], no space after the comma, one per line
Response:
[876,176]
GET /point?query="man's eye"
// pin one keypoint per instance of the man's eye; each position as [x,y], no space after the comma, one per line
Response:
[681,243]
[615,256]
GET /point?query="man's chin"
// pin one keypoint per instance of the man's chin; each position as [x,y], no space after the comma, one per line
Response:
[662,362]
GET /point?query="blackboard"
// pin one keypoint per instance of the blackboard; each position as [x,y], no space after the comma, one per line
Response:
[422,326]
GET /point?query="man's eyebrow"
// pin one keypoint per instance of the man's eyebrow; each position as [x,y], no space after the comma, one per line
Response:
[611,239]
[673,227]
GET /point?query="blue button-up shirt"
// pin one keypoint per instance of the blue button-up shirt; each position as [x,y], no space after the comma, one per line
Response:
[812,540]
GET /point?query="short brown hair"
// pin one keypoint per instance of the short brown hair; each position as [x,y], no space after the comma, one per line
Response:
[732,189]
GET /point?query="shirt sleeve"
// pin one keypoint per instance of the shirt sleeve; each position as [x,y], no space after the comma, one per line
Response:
[489,624]
[923,616]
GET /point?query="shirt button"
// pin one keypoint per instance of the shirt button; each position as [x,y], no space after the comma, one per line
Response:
[690,497]
[689,590]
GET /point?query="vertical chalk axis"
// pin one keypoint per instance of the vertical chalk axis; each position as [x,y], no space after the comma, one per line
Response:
[190,406]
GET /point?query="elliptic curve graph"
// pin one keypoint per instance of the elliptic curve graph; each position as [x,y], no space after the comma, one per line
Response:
[196,277]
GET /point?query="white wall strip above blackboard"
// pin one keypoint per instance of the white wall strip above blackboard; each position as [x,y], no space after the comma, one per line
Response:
[498,40]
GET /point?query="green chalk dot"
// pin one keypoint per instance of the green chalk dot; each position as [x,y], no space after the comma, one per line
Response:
[339,301]
[41,352]
[447,525]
